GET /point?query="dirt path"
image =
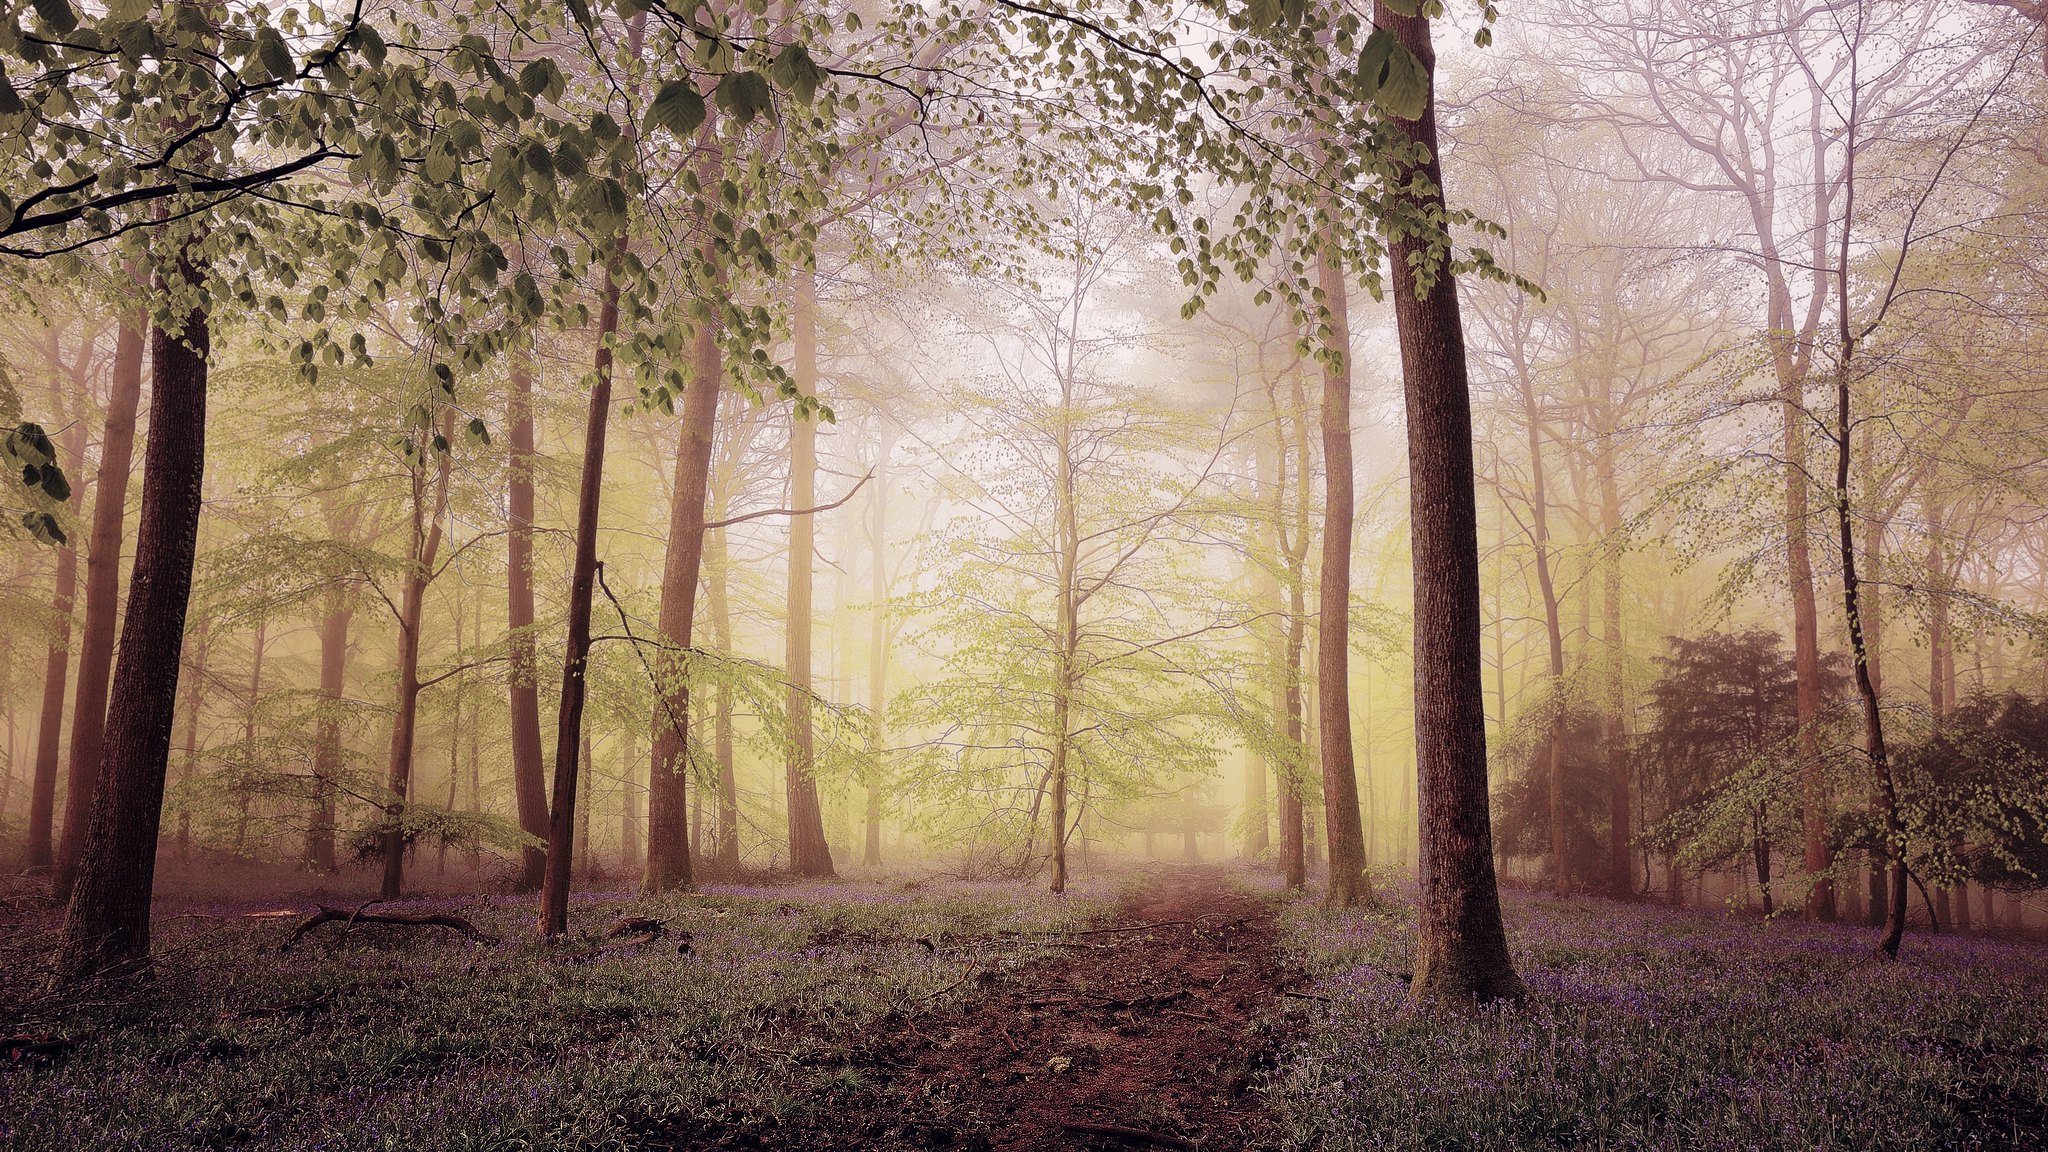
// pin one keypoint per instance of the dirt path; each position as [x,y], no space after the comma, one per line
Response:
[1141,1036]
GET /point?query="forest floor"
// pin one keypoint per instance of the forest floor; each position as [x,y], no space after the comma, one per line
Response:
[1194,1007]
[904,1014]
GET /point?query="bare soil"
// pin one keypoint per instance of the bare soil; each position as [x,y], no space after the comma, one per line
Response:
[1144,1033]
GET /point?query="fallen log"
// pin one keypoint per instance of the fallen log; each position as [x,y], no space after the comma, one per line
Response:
[361,915]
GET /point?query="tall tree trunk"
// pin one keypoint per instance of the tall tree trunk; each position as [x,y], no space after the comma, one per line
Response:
[1820,902]
[668,849]
[878,641]
[327,753]
[107,921]
[529,784]
[1539,538]
[1294,832]
[425,545]
[1462,952]
[1067,638]
[249,729]
[102,597]
[809,853]
[629,818]
[718,571]
[1621,860]
[1349,884]
[563,824]
[188,752]
[42,801]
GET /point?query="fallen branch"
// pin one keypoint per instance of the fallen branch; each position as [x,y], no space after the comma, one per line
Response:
[1307,996]
[1118,1131]
[1133,928]
[361,915]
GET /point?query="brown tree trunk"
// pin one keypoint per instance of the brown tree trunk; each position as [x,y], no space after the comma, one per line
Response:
[529,784]
[1820,902]
[425,546]
[327,754]
[1067,638]
[720,611]
[563,822]
[809,853]
[629,818]
[188,752]
[42,801]
[1621,861]
[1349,883]
[878,641]
[1462,953]
[1539,533]
[102,597]
[107,921]
[249,728]
[668,849]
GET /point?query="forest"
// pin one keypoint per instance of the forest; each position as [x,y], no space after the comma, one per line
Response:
[1023,574]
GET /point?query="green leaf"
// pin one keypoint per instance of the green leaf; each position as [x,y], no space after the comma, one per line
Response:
[677,108]
[370,43]
[1372,62]
[57,14]
[1404,92]
[796,73]
[274,54]
[10,105]
[54,485]
[478,432]
[744,95]
[43,527]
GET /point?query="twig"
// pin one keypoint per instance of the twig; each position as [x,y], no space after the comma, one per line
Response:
[1118,1131]
[327,915]
[1307,996]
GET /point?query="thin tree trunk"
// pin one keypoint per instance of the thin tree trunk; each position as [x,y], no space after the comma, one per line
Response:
[102,597]
[107,922]
[425,546]
[878,642]
[1620,813]
[42,801]
[809,853]
[188,756]
[327,754]
[1539,534]
[629,820]
[529,783]
[249,731]
[722,704]
[1349,883]
[1462,953]
[563,823]
[1068,636]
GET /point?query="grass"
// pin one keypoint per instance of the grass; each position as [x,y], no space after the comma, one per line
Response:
[1654,1028]
[416,1038]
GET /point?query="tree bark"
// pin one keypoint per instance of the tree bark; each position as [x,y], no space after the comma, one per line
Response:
[529,783]
[563,824]
[1462,953]
[1539,538]
[809,853]
[668,849]
[42,801]
[102,597]
[1349,883]
[257,645]
[327,754]
[1621,861]
[878,641]
[107,921]
[425,545]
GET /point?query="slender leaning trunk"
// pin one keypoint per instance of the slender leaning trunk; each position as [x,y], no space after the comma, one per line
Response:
[42,801]
[102,597]
[327,752]
[878,644]
[1462,953]
[107,921]
[426,545]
